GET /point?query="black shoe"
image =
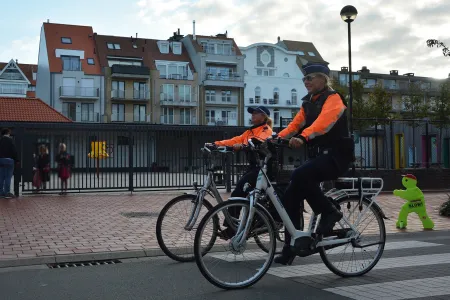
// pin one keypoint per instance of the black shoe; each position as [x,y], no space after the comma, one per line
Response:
[286,257]
[328,220]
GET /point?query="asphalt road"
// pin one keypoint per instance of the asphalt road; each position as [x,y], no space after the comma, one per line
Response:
[162,278]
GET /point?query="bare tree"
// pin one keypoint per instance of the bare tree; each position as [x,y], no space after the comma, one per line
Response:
[445,50]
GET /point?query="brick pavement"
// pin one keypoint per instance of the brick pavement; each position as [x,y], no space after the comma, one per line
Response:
[42,225]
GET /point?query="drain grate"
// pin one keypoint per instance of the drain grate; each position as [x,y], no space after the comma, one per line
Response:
[84,264]
[139,214]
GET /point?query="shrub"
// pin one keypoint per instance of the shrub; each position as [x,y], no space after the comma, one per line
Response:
[444,210]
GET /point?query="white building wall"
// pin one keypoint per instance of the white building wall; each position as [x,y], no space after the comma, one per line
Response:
[284,65]
[43,88]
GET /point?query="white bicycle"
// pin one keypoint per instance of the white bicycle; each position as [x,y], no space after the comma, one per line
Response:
[356,198]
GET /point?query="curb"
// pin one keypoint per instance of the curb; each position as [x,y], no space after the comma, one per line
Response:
[29,261]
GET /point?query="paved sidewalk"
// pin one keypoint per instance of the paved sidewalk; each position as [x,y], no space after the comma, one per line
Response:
[43,229]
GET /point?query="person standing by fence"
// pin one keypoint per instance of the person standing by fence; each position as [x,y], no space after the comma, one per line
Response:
[8,157]
[63,160]
[43,167]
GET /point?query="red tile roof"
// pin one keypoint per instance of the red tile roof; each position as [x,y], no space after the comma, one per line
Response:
[199,48]
[29,110]
[82,39]
[147,49]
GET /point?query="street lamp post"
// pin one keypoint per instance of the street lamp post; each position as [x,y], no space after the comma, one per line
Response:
[348,15]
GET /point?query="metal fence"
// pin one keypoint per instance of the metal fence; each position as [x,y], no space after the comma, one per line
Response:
[397,144]
[145,157]
[140,157]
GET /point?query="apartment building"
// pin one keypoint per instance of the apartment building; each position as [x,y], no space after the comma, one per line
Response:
[126,69]
[69,76]
[273,77]
[220,78]
[17,80]
[174,82]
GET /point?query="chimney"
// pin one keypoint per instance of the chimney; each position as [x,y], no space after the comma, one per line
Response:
[393,72]
[279,39]
[17,61]
[344,69]
[136,35]
[178,31]
[48,20]
[193,33]
[365,70]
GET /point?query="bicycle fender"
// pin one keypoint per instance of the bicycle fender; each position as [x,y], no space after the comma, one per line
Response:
[271,219]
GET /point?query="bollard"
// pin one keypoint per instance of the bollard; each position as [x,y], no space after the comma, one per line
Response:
[415,203]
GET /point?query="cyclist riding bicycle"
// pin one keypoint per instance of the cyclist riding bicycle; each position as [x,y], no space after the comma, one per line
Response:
[261,129]
[321,124]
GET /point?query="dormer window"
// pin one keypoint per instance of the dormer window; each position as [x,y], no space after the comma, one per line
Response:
[163,47]
[113,46]
[311,54]
[66,40]
[176,48]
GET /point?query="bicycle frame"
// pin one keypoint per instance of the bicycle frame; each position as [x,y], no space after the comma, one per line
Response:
[263,184]
[209,186]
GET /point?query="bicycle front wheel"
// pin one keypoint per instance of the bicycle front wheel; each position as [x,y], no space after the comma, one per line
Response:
[358,257]
[229,264]
[173,239]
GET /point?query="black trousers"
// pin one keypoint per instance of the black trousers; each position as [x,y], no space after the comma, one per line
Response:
[305,184]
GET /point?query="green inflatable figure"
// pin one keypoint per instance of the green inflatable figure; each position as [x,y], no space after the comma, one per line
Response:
[415,203]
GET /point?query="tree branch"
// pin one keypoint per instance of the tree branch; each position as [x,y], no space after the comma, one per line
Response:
[445,50]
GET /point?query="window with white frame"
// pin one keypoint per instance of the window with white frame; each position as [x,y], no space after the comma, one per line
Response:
[210,96]
[265,72]
[66,40]
[71,63]
[113,46]
[139,113]
[219,48]
[184,91]
[210,116]
[176,48]
[276,95]
[163,47]
[276,116]
[226,96]
[294,96]
[167,115]
[168,91]
[185,116]
[118,113]
[257,95]
[87,112]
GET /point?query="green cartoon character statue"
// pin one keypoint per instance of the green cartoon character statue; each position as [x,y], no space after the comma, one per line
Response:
[415,203]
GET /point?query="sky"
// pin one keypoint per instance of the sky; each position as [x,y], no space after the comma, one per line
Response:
[386,35]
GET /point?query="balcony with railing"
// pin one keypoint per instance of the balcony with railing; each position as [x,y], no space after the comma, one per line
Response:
[167,99]
[130,117]
[71,92]
[178,120]
[227,79]
[83,117]
[221,100]
[13,89]
[187,76]
[130,95]
[215,121]
[128,71]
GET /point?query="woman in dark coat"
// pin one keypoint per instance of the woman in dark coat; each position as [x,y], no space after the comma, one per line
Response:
[43,166]
[63,160]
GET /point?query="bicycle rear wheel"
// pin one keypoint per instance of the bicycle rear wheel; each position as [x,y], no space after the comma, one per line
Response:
[175,241]
[244,258]
[366,248]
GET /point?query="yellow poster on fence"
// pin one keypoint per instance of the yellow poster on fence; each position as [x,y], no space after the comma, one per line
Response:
[98,150]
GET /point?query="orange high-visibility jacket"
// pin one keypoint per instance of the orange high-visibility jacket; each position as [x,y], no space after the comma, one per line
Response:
[332,110]
[262,132]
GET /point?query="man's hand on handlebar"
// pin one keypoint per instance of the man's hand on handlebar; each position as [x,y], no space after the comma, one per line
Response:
[237,147]
[295,142]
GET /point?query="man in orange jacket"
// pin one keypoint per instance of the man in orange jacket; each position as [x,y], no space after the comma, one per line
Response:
[261,129]
[321,124]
